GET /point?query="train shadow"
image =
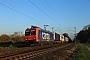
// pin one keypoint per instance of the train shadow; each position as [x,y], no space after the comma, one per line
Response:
[11,45]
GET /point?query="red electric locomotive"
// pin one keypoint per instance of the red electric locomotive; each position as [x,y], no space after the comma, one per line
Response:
[31,35]
[36,35]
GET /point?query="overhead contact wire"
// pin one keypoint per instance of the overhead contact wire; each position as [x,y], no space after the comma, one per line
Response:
[58,14]
[20,13]
[42,11]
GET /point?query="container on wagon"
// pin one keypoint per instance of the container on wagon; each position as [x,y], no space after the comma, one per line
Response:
[56,36]
[62,38]
[66,39]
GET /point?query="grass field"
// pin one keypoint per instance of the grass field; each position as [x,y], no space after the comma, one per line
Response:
[81,53]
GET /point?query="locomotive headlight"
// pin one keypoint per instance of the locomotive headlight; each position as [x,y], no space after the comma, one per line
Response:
[34,38]
[26,39]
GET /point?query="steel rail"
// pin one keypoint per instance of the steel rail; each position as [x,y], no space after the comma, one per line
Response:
[33,54]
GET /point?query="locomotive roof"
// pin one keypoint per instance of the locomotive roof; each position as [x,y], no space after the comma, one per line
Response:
[33,27]
[40,28]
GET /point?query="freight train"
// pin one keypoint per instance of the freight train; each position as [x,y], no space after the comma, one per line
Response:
[36,35]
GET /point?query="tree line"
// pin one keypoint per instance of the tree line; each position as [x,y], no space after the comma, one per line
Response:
[15,37]
[84,35]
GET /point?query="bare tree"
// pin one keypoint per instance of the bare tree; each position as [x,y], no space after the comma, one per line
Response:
[5,38]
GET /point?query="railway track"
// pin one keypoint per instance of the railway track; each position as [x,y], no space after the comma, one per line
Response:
[32,54]
[14,51]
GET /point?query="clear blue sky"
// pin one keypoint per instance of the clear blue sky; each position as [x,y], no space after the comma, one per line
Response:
[17,15]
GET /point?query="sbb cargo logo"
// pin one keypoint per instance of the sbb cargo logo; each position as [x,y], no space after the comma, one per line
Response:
[45,36]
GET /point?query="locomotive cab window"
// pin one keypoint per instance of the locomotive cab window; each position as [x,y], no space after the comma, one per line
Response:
[30,32]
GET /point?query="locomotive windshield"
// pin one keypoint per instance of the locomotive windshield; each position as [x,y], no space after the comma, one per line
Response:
[30,32]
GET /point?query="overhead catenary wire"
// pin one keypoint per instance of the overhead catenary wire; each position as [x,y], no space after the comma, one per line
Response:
[41,10]
[11,5]
[21,7]
[56,13]
[49,11]
[20,13]
[44,12]
[25,9]
[45,6]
